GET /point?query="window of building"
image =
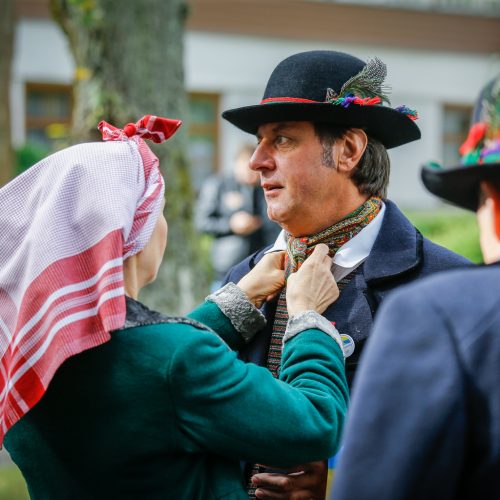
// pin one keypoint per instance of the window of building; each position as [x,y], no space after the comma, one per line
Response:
[456,123]
[203,135]
[48,113]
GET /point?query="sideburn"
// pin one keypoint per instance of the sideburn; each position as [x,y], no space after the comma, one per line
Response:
[327,155]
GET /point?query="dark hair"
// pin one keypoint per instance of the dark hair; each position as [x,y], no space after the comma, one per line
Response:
[371,174]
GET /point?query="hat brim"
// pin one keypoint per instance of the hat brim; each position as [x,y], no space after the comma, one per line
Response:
[459,185]
[390,127]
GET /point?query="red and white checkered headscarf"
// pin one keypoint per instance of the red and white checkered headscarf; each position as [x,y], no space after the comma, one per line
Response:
[67,224]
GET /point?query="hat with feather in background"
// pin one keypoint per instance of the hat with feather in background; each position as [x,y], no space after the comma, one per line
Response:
[480,155]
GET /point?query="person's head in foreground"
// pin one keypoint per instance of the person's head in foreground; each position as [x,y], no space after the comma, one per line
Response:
[323,130]
[101,397]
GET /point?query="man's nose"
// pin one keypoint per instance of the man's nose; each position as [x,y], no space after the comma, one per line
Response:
[261,159]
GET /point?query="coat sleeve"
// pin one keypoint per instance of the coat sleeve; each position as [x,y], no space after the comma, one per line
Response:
[240,411]
[405,433]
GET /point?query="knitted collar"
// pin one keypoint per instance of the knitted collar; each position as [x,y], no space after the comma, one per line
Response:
[298,249]
[139,315]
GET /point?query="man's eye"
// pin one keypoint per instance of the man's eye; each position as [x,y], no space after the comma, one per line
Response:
[280,140]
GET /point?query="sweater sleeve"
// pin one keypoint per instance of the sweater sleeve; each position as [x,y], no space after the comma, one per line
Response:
[210,315]
[229,312]
[239,410]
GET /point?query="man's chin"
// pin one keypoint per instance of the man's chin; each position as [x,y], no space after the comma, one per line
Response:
[275,215]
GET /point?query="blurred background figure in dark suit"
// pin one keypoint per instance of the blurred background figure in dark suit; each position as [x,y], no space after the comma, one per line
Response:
[232,209]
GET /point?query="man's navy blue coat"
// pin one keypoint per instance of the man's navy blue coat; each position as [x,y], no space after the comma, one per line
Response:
[399,255]
[425,413]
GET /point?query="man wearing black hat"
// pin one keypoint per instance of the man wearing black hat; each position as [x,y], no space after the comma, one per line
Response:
[425,414]
[323,133]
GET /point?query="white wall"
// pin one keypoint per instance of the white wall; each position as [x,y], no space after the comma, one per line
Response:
[238,68]
[41,54]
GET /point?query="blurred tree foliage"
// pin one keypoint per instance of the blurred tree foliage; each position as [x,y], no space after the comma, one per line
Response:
[6,49]
[12,483]
[129,63]
[28,154]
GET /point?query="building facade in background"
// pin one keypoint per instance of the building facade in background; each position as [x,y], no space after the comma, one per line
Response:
[439,54]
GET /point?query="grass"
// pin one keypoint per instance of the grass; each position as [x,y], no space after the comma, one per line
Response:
[451,228]
[12,484]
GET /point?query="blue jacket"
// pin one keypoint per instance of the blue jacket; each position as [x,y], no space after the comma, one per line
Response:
[425,414]
[399,255]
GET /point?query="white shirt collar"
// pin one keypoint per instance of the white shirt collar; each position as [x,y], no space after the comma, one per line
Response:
[350,255]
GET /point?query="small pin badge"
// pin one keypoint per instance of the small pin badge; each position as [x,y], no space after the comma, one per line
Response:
[348,344]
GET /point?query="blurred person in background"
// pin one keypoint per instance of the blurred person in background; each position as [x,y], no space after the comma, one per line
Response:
[232,209]
[102,398]
[424,422]
[323,132]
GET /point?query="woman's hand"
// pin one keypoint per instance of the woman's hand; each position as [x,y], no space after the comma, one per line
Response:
[313,286]
[265,280]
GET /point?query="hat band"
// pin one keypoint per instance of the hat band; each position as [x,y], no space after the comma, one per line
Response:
[343,101]
[287,99]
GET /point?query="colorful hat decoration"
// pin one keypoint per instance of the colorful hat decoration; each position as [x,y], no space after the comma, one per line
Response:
[483,142]
[330,87]
[480,155]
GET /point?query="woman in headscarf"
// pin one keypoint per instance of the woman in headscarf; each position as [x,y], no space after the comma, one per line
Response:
[101,397]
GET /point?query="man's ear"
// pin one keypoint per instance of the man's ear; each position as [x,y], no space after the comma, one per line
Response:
[351,148]
[491,192]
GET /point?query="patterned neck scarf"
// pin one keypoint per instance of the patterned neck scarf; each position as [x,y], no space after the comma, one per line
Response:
[298,249]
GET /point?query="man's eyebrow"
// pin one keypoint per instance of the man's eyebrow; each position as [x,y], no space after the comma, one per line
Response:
[282,126]
[279,127]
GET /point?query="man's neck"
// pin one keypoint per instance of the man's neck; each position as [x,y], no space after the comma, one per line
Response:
[304,228]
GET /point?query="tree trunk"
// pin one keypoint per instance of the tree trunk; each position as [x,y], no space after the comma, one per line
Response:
[129,58]
[6,47]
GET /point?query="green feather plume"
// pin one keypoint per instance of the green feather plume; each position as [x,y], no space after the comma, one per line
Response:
[369,82]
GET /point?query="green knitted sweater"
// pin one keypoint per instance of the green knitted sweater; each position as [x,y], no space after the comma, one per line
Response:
[166,411]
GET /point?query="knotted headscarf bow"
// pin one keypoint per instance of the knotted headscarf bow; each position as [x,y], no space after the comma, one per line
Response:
[154,128]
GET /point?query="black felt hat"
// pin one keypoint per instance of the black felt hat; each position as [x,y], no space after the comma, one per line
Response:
[330,87]
[480,155]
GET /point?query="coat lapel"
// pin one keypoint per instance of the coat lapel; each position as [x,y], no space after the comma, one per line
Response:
[396,251]
[396,255]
